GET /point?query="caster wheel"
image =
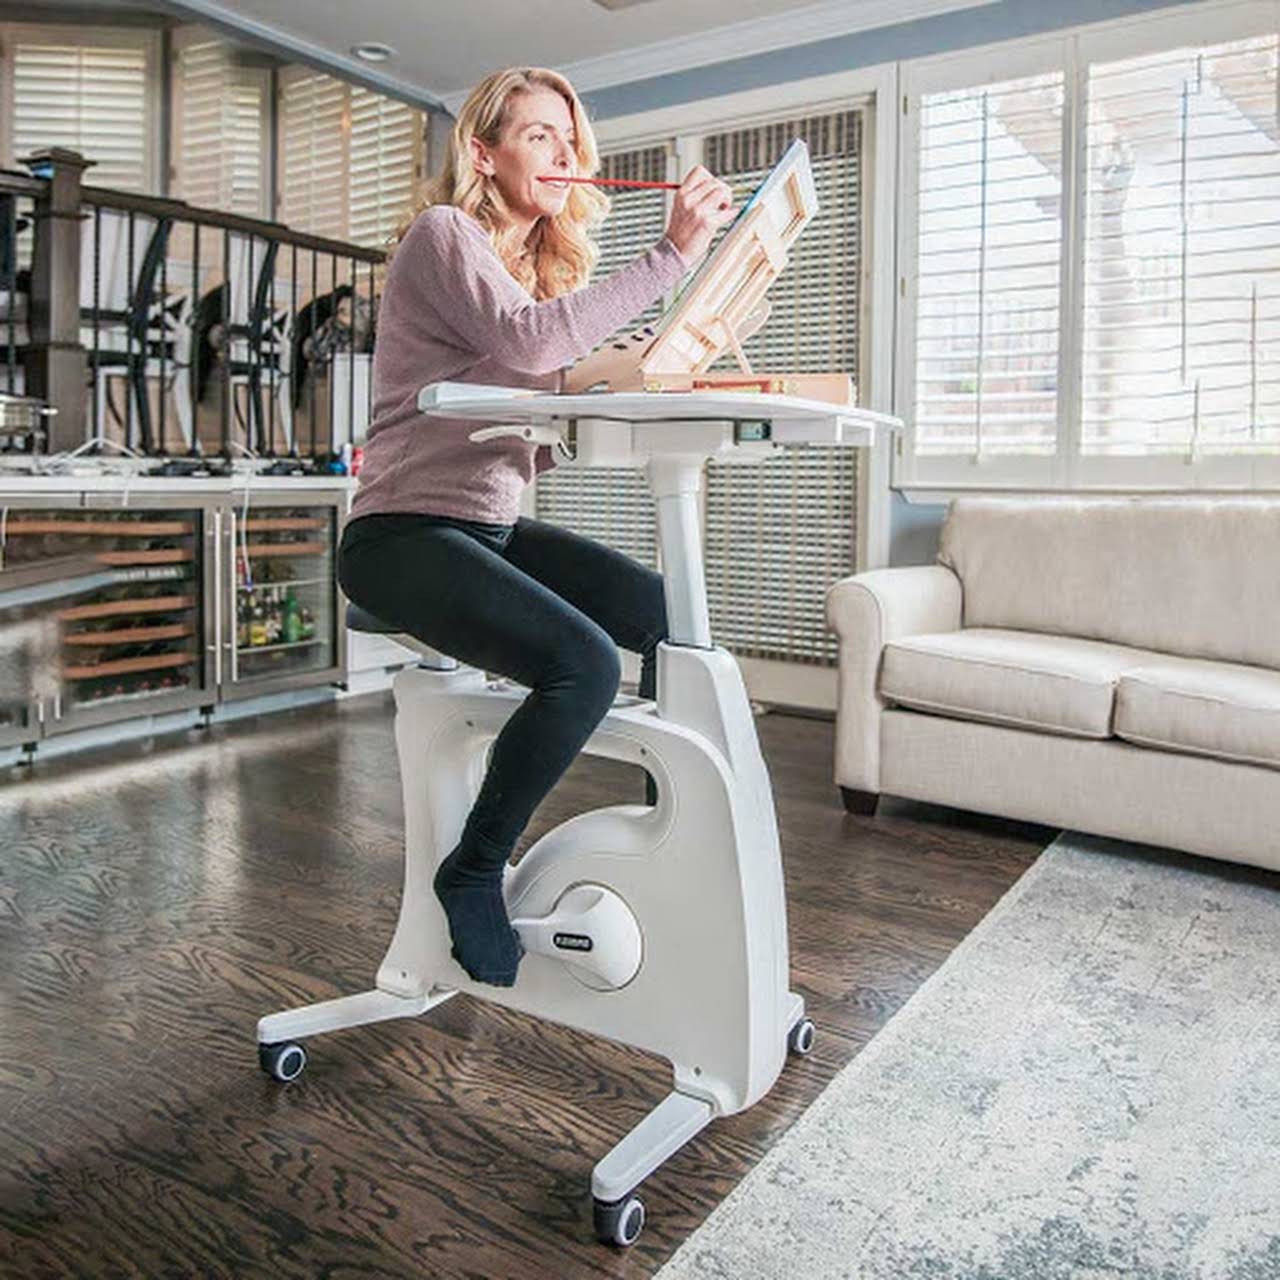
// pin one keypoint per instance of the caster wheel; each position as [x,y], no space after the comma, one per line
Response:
[619,1221]
[800,1038]
[282,1061]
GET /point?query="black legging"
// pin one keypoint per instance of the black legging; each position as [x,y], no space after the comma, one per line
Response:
[537,604]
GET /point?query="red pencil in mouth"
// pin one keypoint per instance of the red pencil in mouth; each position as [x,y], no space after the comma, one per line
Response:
[614,182]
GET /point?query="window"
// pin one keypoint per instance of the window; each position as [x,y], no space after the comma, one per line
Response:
[349,158]
[1181,315]
[220,127]
[777,532]
[605,503]
[781,531]
[386,163]
[86,89]
[313,153]
[1091,251]
[987,269]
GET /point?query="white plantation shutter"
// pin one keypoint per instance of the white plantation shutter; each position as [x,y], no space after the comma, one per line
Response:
[245,132]
[386,158]
[637,216]
[350,158]
[780,532]
[314,127]
[1182,252]
[604,503]
[88,91]
[203,69]
[220,140]
[988,251]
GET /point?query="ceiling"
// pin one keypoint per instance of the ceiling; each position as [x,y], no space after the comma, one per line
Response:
[444,46]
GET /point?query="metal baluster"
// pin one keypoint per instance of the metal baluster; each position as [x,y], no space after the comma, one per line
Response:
[164,337]
[195,449]
[11,288]
[128,332]
[226,344]
[97,326]
[311,370]
[293,364]
[252,426]
[351,360]
[273,366]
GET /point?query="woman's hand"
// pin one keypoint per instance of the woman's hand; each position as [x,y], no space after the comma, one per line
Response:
[702,205]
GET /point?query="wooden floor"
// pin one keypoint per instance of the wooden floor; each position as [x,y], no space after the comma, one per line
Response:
[155,903]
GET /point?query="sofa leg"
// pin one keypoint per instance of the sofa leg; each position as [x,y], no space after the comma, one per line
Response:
[862,803]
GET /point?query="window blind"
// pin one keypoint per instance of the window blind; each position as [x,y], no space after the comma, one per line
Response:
[220,152]
[780,532]
[245,135]
[386,142]
[988,262]
[350,158]
[604,503]
[89,94]
[314,127]
[1181,299]
[203,68]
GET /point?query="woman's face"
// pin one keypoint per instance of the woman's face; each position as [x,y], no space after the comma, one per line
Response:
[537,138]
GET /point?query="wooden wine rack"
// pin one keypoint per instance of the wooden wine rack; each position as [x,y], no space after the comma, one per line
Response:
[264,550]
[129,635]
[146,638]
[101,528]
[109,608]
[261,524]
[128,666]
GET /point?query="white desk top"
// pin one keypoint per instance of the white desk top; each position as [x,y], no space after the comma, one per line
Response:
[511,404]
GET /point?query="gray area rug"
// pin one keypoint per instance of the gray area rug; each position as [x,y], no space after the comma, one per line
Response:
[1089,1087]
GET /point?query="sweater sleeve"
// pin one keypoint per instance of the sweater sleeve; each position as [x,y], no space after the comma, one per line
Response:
[473,294]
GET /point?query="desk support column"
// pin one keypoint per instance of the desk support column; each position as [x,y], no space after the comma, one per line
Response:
[675,481]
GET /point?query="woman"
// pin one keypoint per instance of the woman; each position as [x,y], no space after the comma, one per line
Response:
[485,286]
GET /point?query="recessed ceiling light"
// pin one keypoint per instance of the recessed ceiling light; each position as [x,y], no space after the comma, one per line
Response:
[372,51]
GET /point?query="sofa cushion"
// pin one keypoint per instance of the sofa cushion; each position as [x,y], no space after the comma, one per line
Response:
[1193,577]
[1057,684]
[1209,708]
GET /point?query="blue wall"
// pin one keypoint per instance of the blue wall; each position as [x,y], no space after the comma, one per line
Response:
[958,30]
[913,537]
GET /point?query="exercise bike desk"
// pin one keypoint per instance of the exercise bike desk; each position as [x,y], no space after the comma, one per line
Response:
[662,927]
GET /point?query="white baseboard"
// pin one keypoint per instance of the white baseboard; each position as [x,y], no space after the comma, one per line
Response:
[790,684]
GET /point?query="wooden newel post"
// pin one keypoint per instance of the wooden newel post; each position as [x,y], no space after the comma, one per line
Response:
[55,362]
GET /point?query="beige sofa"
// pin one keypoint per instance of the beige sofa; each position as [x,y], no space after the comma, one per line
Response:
[1105,665]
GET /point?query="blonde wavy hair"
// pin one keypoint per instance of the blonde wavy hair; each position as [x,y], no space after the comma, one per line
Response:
[561,251]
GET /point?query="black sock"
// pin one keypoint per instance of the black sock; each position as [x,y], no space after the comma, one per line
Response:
[469,887]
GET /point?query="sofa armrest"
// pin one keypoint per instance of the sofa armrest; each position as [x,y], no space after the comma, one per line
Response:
[867,611]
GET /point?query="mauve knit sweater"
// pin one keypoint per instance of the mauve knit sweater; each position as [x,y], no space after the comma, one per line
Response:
[451,311]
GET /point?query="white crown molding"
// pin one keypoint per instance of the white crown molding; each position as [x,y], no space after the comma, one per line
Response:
[742,39]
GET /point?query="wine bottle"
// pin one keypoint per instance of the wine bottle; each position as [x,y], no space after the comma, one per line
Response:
[291,625]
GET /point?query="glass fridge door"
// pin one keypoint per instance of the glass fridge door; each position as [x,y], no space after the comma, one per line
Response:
[135,646]
[283,627]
